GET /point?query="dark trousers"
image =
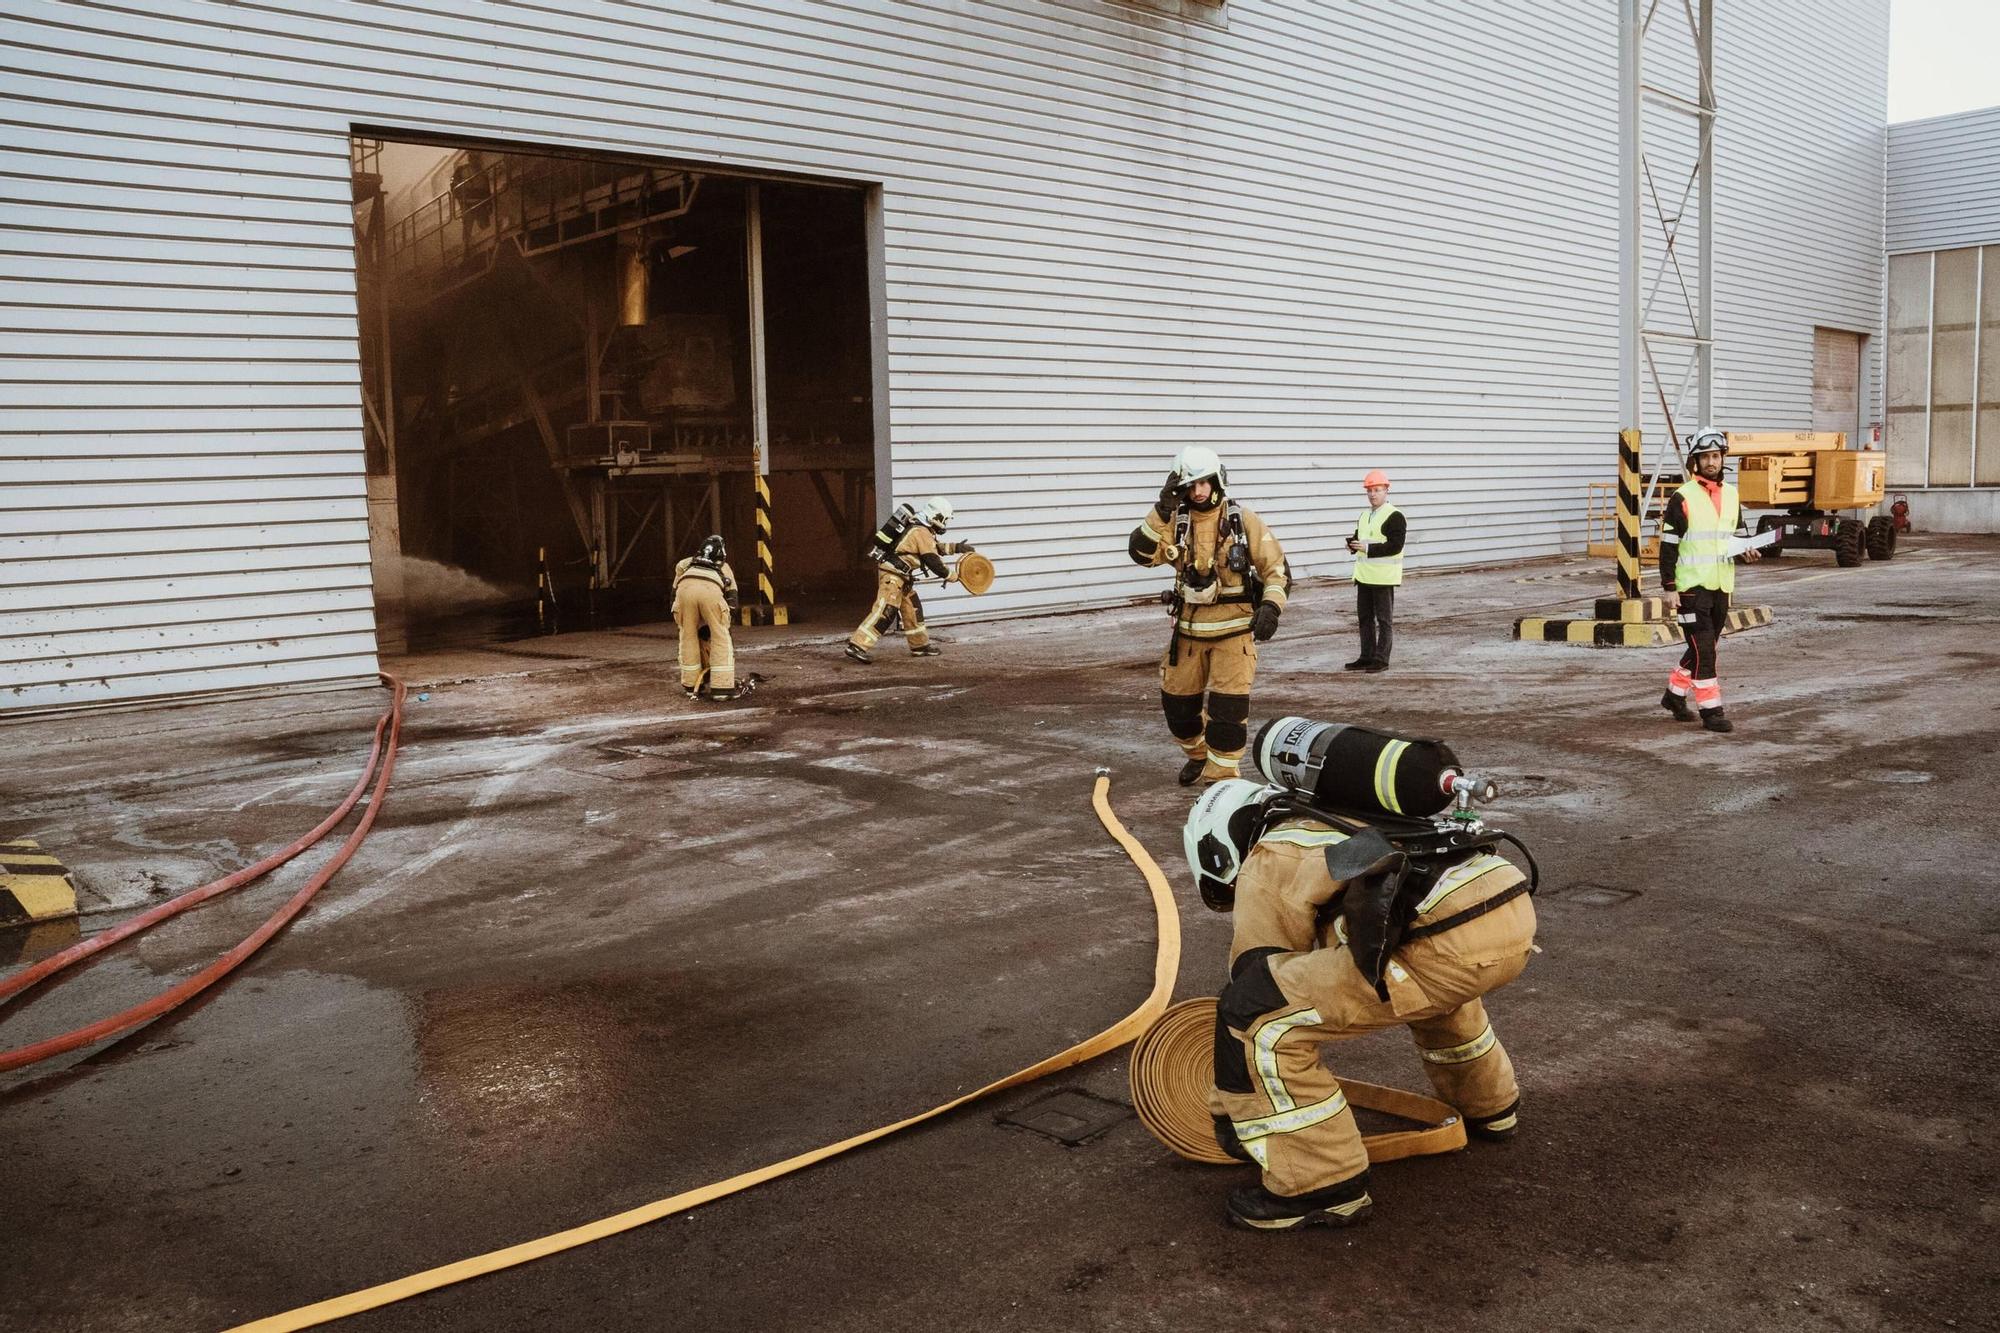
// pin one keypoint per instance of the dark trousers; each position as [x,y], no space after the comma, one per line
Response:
[1375,608]
[1704,612]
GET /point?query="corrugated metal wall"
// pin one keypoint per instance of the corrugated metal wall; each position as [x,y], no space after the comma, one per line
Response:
[1317,236]
[1944,182]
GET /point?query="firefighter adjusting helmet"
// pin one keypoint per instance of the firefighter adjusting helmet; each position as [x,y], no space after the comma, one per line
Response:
[712,551]
[937,513]
[1706,441]
[1218,835]
[1376,478]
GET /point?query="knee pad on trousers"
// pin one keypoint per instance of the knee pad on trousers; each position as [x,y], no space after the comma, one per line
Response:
[886,621]
[1228,722]
[1250,994]
[1183,714]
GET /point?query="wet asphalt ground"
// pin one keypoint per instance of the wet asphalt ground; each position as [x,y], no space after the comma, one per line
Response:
[606,945]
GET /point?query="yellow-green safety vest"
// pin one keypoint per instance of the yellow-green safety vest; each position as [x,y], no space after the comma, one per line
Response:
[1704,560]
[1381,569]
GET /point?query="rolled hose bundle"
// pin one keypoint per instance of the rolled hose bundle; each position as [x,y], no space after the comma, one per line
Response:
[1173,1065]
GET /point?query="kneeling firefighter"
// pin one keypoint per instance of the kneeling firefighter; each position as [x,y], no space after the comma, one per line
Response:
[903,549]
[704,599]
[1348,920]
[1230,582]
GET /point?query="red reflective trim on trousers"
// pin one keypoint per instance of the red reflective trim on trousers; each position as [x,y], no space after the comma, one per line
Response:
[1681,681]
[1708,693]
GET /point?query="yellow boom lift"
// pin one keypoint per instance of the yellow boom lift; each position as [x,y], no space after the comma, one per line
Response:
[1821,488]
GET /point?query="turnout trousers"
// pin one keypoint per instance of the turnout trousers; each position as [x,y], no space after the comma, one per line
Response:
[1290,995]
[895,596]
[708,654]
[1704,612]
[1205,693]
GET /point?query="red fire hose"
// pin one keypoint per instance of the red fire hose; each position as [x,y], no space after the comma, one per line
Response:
[381,764]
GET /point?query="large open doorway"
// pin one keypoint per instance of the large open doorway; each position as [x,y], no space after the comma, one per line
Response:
[576,367]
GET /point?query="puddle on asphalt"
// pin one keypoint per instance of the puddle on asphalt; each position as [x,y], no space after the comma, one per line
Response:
[1894,775]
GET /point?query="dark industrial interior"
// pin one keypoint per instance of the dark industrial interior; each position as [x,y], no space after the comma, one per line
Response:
[560,370]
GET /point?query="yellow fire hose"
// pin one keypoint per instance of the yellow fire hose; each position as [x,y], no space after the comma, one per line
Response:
[1166,966]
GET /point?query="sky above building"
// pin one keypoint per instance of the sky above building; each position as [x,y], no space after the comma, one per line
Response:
[1944,57]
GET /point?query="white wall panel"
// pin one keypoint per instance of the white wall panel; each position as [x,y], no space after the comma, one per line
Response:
[1322,236]
[1944,182]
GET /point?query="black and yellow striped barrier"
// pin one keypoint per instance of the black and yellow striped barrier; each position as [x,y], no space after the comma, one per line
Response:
[764,609]
[1638,632]
[34,886]
[1628,514]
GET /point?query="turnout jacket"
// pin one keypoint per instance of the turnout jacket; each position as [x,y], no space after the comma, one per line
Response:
[723,578]
[1201,559]
[920,552]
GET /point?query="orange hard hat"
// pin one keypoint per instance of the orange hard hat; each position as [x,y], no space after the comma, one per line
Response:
[1376,478]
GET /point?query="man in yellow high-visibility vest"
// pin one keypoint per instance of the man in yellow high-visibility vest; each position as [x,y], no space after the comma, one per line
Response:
[1697,574]
[1377,545]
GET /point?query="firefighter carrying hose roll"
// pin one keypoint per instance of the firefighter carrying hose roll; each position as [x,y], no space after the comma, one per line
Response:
[1697,575]
[904,549]
[1339,933]
[1230,582]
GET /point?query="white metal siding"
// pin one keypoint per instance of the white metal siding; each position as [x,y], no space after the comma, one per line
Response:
[1944,182]
[1320,237]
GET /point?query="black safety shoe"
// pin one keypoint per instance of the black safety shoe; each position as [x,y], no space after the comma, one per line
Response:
[1190,771]
[928,650]
[1340,1205]
[1713,720]
[1498,1127]
[1677,704]
[1376,665]
[857,653]
[1358,664]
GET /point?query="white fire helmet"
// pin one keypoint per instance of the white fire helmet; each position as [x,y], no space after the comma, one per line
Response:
[1218,835]
[937,513]
[1198,462]
[1707,440]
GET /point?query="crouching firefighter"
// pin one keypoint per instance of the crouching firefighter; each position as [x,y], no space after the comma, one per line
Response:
[904,549]
[1341,930]
[705,597]
[1230,581]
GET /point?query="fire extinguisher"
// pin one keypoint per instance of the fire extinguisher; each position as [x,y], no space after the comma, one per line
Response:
[1900,512]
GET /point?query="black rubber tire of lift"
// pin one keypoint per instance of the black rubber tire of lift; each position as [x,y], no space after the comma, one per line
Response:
[1881,537]
[1848,535]
[1776,548]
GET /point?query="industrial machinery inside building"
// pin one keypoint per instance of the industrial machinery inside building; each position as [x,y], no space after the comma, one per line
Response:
[574,368]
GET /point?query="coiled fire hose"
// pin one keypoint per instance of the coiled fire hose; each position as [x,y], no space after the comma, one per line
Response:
[381,764]
[1166,966]
[1174,1064]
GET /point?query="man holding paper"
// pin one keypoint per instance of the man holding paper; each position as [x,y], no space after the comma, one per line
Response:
[1698,550]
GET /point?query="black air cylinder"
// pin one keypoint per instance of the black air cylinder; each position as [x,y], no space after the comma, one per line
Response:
[1343,767]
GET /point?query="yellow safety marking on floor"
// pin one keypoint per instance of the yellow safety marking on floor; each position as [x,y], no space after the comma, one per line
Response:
[1166,967]
[34,885]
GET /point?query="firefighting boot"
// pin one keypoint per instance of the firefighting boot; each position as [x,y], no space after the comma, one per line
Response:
[1677,704]
[1191,772]
[928,650]
[1713,720]
[857,653]
[1498,1127]
[1358,664]
[1339,1205]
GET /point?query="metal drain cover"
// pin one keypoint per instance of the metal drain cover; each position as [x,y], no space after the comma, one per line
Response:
[1068,1116]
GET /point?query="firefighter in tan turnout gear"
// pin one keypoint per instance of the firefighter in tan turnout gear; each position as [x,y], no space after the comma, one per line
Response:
[1229,589]
[704,599]
[1300,977]
[904,549]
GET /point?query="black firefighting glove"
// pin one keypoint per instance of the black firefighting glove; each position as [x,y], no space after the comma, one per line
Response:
[1170,495]
[964,547]
[1265,623]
